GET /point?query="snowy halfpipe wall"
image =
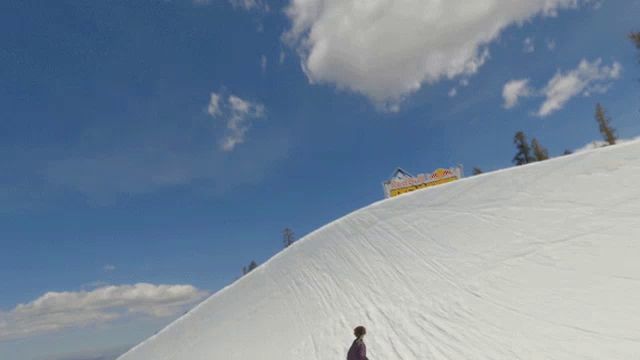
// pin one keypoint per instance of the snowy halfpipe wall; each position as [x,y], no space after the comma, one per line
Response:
[536,262]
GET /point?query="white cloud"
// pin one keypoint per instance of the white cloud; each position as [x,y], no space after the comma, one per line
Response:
[597,4]
[260,5]
[109,268]
[386,49]
[214,105]
[586,79]
[250,4]
[55,311]
[282,57]
[514,90]
[453,92]
[237,115]
[528,46]
[551,44]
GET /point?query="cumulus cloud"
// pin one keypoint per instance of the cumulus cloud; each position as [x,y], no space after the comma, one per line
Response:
[586,79]
[55,311]
[386,49]
[551,44]
[514,90]
[237,114]
[453,92]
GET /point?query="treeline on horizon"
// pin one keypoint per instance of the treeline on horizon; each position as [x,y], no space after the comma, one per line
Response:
[288,238]
[531,152]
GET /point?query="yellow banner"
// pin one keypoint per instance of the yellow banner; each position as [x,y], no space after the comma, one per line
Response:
[404,190]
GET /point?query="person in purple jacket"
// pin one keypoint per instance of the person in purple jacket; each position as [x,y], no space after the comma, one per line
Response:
[358,350]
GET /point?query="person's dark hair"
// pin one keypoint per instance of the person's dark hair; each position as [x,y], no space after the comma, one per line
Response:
[359,331]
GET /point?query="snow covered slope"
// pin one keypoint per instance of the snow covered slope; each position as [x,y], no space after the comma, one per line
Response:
[535,262]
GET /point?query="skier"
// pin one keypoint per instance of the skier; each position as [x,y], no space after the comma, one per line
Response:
[358,350]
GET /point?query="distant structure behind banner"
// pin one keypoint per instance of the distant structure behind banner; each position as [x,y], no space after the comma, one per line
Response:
[402,182]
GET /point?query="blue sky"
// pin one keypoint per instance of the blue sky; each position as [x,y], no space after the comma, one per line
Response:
[113,169]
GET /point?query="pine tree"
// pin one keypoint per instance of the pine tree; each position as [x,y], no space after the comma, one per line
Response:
[635,39]
[288,237]
[248,269]
[476,171]
[539,152]
[524,151]
[252,265]
[604,123]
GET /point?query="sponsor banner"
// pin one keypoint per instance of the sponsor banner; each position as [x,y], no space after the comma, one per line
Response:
[403,182]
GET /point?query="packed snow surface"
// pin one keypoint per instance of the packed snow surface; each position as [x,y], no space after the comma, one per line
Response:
[536,262]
